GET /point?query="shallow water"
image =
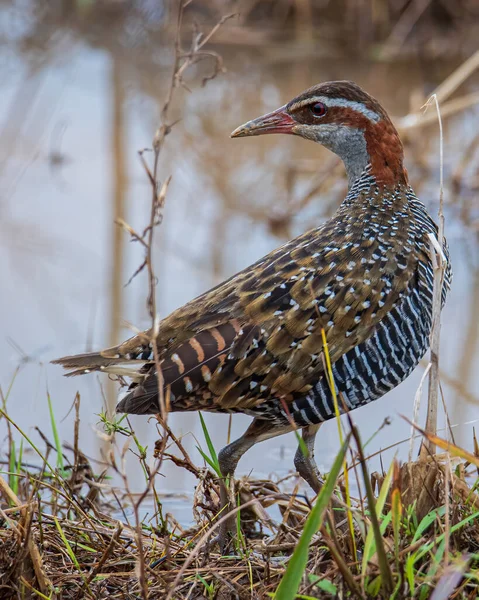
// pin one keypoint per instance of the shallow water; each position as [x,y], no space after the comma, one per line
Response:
[71,131]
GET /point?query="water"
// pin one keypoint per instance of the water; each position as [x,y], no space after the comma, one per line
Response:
[71,130]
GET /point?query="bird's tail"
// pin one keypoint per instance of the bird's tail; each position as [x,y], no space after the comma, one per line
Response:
[125,359]
[88,362]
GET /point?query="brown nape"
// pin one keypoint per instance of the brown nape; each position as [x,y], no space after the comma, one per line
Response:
[386,153]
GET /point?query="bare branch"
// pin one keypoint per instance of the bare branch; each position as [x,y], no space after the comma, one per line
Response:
[181,62]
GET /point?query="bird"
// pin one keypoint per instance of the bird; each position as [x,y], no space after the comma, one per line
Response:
[363,280]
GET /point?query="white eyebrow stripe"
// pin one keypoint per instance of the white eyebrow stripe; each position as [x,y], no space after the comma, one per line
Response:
[341,103]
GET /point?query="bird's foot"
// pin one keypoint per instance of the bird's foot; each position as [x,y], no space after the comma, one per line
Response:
[225,536]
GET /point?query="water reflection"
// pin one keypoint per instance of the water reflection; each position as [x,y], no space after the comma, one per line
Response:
[64,262]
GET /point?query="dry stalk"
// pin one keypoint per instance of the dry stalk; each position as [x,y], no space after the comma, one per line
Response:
[205,537]
[109,549]
[444,91]
[44,582]
[448,109]
[182,61]
[447,519]
[141,571]
[457,78]
[417,402]
[439,265]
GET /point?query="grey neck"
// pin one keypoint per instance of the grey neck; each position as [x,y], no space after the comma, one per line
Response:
[348,143]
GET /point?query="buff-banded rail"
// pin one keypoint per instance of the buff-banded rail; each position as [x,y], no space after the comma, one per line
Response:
[254,345]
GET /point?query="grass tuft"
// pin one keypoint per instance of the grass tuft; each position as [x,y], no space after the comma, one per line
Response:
[79,539]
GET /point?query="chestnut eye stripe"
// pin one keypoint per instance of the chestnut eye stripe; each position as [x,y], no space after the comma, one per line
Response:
[337,102]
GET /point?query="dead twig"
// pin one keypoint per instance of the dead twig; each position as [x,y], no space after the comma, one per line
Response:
[44,582]
[181,62]
[439,266]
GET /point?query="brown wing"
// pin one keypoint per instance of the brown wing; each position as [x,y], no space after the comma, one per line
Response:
[186,372]
[281,305]
[342,277]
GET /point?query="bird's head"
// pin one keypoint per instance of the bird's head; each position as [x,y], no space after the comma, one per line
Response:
[345,119]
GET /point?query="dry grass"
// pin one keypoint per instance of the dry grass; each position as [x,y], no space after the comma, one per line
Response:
[58,538]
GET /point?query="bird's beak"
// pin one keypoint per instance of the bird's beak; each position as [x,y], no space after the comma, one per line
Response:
[278,121]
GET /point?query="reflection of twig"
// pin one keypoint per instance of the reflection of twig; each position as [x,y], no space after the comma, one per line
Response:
[403,28]
[56,157]
[444,91]
[457,78]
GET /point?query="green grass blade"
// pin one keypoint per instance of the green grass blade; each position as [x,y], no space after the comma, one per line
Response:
[427,521]
[332,387]
[209,587]
[369,545]
[374,587]
[398,587]
[209,443]
[214,466]
[20,456]
[323,584]
[437,540]
[18,468]
[435,564]
[37,592]
[10,387]
[384,568]
[68,547]
[289,585]
[12,467]
[56,437]
[25,436]
[409,572]
[396,510]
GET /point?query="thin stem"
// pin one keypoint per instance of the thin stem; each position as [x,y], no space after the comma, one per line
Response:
[439,265]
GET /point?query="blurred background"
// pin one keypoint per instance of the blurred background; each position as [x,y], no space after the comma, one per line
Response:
[83,85]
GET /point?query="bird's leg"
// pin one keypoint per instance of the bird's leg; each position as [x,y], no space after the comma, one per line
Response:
[228,458]
[304,462]
[308,469]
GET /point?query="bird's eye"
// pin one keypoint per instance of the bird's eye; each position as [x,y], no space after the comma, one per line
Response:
[318,109]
